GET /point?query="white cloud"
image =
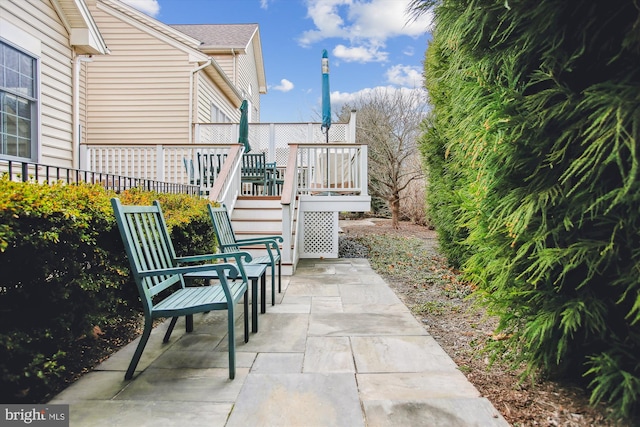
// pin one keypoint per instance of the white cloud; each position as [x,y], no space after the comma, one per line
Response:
[325,15]
[405,75]
[362,23]
[338,99]
[360,53]
[264,4]
[381,19]
[284,86]
[150,7]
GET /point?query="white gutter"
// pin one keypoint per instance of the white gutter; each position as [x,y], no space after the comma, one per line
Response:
[76,107]
[193,73]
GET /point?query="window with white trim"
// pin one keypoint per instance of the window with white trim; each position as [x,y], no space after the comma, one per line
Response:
[217,115]
[18,102]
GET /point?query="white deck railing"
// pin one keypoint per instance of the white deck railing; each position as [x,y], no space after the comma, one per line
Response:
[321,168]
[332,169]
[164,163]
[324,166]
[275,138]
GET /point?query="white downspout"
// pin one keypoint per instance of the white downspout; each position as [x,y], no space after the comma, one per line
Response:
[193,73]
[76,134]
[235,77]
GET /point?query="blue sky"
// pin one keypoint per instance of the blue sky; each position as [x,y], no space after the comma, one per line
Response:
[372,44]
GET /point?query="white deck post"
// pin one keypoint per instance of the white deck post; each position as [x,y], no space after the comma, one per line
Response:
[351,134]
[364,165]
[160,163]
[272,143]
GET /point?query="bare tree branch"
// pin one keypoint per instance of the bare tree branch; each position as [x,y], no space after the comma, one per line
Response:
[389,122]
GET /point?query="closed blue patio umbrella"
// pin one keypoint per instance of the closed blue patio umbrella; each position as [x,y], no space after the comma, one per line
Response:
[243,133]
[326,97]
[326,106]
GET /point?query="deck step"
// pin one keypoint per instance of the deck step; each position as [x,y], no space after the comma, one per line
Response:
[255,217]
[257,226]
[251,214]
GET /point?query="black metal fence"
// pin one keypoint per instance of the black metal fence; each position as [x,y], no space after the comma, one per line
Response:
[26,171]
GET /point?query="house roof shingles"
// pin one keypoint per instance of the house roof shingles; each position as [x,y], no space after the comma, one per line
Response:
[220,36]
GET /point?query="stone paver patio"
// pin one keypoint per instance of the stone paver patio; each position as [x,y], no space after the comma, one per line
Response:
[338,349]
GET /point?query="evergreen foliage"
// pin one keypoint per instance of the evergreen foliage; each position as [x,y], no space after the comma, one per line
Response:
[532,155]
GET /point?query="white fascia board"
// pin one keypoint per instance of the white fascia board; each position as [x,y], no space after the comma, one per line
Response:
[257,53]
[219,76]
[83,33]
[197,57]
[86,39]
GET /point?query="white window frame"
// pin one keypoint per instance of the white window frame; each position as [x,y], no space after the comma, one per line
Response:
[217,115]
[29,46]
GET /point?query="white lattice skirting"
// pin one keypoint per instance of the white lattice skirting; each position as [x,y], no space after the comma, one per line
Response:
[319,237]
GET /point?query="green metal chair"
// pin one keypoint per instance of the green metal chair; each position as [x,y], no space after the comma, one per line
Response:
[228,244]
[161,285]
[194,179]
[254,171]
[210,165]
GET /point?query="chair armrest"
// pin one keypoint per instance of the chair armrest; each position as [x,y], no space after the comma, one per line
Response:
[239,256]
[262,239]
[270,243]
[220,268]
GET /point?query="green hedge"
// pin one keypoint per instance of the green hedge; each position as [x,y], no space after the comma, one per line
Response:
[534,179]
[64,271]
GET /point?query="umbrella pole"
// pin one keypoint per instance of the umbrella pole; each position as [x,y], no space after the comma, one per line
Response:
[327,158]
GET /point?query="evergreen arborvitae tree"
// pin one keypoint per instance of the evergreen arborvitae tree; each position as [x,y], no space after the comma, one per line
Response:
[533,163]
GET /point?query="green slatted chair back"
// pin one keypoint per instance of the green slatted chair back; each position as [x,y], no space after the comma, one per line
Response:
[228,243]
[223,229]
[148,247]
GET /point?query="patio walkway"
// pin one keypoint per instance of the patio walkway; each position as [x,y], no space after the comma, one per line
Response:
[338,349]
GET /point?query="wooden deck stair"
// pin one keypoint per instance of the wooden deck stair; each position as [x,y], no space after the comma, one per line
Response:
[259,216]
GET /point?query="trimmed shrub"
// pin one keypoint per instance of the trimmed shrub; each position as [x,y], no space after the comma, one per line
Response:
[534,179]
[64,271]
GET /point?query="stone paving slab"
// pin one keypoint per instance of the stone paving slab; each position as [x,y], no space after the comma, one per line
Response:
[279,332]
[414,386]
[278,363]
[151,413]
[447,412]
[96,385]
[327,305]
[399,354]
[298,400]
[328,354]
[338,349]
[313,289]
[185,385]
[379,294]
[351,324]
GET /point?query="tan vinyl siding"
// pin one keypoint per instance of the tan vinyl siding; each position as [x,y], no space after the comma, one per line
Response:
[248,78]
[208,93]
[226,63]
[140,92]
[83,102]
[241,70]
[38,18]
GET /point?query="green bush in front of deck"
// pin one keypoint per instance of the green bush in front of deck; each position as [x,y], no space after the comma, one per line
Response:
[64,272]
